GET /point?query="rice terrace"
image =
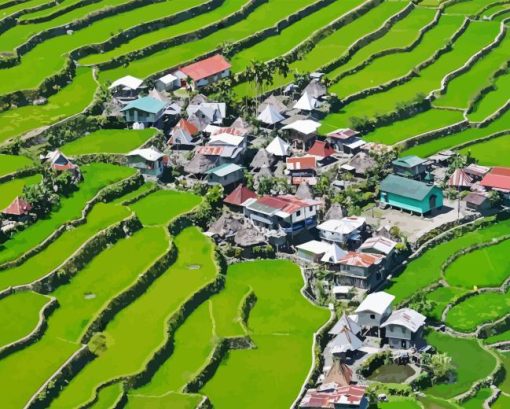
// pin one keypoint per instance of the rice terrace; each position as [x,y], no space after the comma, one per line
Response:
[254,204]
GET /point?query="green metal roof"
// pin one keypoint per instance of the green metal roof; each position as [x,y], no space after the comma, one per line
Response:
[409,161]
[146,104]
[405,187]
[224,170]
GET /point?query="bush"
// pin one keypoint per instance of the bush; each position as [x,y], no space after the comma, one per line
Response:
[266,251]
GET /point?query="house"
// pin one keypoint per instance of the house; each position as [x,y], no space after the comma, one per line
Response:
[346,397]
[362,163]
[17,210]
[149,161]
[410,166]
[278,147]
[286,213]
[345,321]
[344,342]
[145,110]
[228,139]
[127,87]
[302,132]
[338,375]
[333,255]
[315,88]
[477,172]
[167,83]
[270,115]
[184,134]
[207,71]
[312,251]
[200,164]
[321,150]
[206,113]
[345,140]
[477,202]
[460,180]
[380,245]
[239,196]
[262,159]
[404,328]
[498,179]
[304,191]
[361,270]
[58,161]
[222,153]
[306,103]
[225,174]
[374,309]
[410,195]
[343,230]
[276,102]
[301,169]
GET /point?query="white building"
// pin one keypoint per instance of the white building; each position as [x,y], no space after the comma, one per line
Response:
[340,231]
[404,328]
[374,309]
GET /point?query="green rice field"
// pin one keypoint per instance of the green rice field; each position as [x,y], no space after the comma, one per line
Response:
[494,152]
[13,163]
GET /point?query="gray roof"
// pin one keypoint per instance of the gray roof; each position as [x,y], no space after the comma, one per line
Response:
[304,191]
[249,237]
[200,164]
[408,161]
[262,159]
[405,187]
[316,89]
[226,225]
[362,162]
[335,212]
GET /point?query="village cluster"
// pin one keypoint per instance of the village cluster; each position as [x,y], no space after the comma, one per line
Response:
[270,168]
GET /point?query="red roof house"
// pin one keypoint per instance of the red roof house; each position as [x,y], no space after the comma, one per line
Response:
[460,178]
[207,71]
[301,163]
[498,178]
[347,396]
[364,260]
[18,207]
[239,196]
[321,149]
[187,126]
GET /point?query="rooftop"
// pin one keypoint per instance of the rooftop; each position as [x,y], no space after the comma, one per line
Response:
[146,104]
[285,204]
[322,149]
[206,68]
[353,258]
[405,187]
[376,302]
[18,207]
[379,243]
[406,317]
[224,170]
[301,162]
[239,196]
[497,178]
[409,161]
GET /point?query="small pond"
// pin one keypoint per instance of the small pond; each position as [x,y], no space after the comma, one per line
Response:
[392,373]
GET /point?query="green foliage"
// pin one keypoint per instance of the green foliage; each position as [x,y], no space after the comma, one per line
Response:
[266,251]
[41,198]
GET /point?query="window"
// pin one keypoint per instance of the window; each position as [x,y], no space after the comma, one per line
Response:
[372,316]
[310,208]
[298,213]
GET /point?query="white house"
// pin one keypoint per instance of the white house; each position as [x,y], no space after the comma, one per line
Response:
[342,230]
[374,309]
[149,161]
[278,147]
[404,328]
[168,82]
[126,87]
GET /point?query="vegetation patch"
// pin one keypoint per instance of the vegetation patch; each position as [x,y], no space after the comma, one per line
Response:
[13,163]
[9,190]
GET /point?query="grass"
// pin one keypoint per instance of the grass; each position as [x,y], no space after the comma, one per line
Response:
[425,269]
[477,310]
[492,101]
[160,207]
[407,128]
[464,88]
[449,141]
[326,50]
[9,190]
[503,402]
[505,384]
[172,400]
[101,216]
[431,402]
[479,365]
[476,402]
[96,177]
[13,163]
[441,297]
[139,329]
[495,152]
[485,267]
[19,315]
[468,7]
[108,274]
[109,396]
[504,336]
[145,39]
[71,100]
[135,193]
[281,325]
[397,402]
[108,141]
[477,36]
[262,17]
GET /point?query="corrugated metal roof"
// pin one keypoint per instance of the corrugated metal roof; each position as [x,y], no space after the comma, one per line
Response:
[404,187]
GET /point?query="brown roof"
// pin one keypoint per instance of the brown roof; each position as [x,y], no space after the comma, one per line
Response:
[18,207]
[356,259]
[239,195]
[339,373]
[322,149]
[475,198]
[302,162]
[187,126]
[497,178]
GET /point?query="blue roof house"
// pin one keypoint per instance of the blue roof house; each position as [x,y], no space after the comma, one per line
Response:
[410,195]
[147,110]
[410,166]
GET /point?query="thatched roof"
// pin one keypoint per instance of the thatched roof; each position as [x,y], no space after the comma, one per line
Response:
[362,162]
[242,124]
[249,236]
[279,172]
[339,373]
[199,99]
[304,191]
[200,164]
[262,159]
[275,102]
[226,225]
[335,212]
[315,89]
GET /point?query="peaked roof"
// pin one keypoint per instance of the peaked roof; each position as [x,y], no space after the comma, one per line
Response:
[241,123]
[362,162]
[278,147]
[379,243]
[59,161]
[239,196]
[304,191]
[343,322]
[306,102]
[270,115]
[376,302]
[460,178]
[275,102]
[342,133]
[334,254]
[150,154]
[206,68]
[187,126]
[128,82]
[353,258]
[321,149]
[345,341]
[406,317]
[262,159]
[497,178]
[316,89]
[146,104]
[339,374]
[408,161]
[335,212]
[304,126]
[18,207]
[405,187]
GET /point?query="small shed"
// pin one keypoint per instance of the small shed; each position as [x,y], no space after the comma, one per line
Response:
[18,209]
[168,82]
[225,174]
[262,159]
[477,202]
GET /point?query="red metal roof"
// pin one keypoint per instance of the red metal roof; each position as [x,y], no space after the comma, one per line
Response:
[239,195]
[322,149]
[356,259]
[188,127]
[286,203]
[342,134]
[18,207]
[351,395]
[497,178]
[206,68]
[302,162]
[230,131]
[210,150]
[460,178]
